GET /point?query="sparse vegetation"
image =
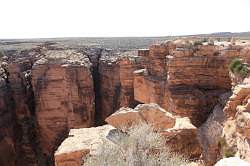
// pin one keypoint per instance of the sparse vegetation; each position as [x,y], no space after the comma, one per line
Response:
[227,151]
[198,42]
[1,53]
[239,68]
[142,146]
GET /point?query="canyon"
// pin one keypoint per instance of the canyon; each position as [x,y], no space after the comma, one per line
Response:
[54,97]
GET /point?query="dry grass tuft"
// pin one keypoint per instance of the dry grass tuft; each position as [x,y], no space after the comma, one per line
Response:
[141,147]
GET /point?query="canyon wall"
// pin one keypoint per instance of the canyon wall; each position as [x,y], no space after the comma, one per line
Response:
[64,96]
[184,78]
[116,81]
[7,146]
[47,90]
[43,94]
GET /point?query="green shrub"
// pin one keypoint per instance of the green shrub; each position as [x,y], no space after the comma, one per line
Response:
[142,146]
[197,43]
[237,67]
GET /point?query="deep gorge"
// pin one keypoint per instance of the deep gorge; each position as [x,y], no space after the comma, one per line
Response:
[47,90]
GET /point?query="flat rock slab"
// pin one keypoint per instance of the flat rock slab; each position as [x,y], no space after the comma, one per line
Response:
[79,143]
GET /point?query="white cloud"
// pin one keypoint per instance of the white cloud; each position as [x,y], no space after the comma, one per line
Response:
[79,18]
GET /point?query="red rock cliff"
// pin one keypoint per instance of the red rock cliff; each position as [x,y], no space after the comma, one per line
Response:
[64,96]
[184,78]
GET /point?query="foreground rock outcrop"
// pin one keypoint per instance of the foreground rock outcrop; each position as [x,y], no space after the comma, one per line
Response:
[79,143]
[179,133]
[236,133]
[232,161]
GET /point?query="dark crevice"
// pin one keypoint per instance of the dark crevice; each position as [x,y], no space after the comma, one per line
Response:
[94,59]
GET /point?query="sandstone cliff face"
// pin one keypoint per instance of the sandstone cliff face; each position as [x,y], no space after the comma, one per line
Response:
[21,107]
[184,78]
[109,85]
[7,144]
[116,81]
[29,144]
[64,96]
[51,90]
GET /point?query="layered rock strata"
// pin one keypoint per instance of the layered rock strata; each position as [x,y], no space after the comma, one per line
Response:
[64,96]
[7,122]
[48,90]
[21,106]
[116,81]
[184,78]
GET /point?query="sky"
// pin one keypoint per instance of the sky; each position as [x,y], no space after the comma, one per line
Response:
[113,18]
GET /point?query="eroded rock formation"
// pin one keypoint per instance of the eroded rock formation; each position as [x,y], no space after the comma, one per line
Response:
[116,81]
[180,133]
[7,144]
[64,95]
[184,78]
[226,132]
[43,94]
[48,89]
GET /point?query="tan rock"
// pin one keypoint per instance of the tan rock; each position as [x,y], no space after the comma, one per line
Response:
[180,134]
[232,161]
[182,138]
[243,124]
[240,92]
[236,127]
[79,143]
[149,113]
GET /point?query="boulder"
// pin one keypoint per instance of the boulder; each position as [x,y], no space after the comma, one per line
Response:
[180,133]
[232,161]
[183,138]
[151,114]
[79,143]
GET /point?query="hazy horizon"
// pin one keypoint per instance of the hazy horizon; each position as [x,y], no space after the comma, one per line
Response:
[30,19]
